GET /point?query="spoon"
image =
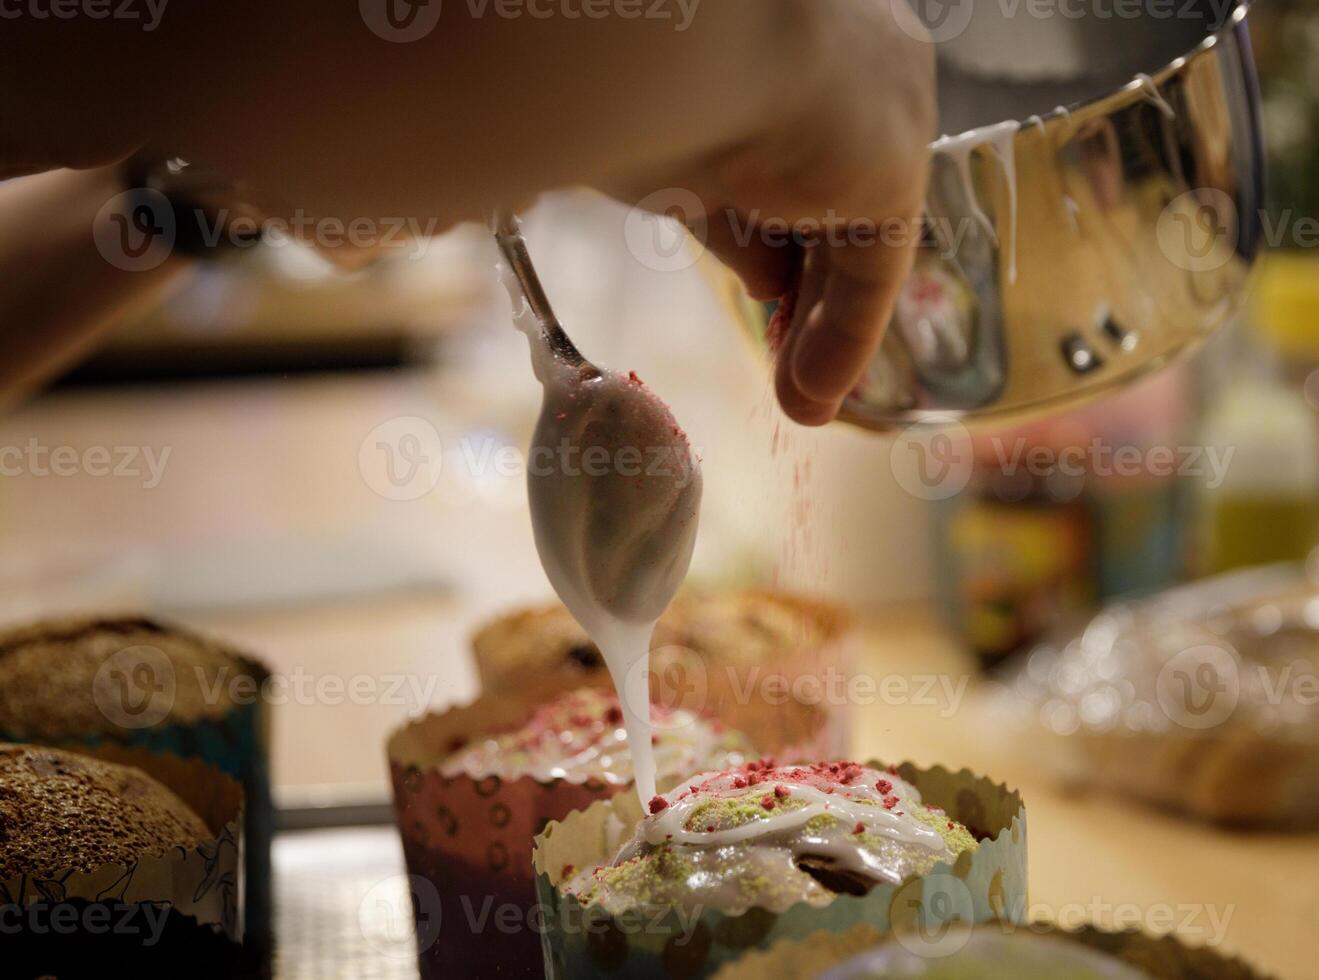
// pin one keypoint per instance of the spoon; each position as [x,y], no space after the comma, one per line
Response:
[507,229]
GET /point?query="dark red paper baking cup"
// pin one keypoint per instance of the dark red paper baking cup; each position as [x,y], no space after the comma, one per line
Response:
[166,915]
[472,839]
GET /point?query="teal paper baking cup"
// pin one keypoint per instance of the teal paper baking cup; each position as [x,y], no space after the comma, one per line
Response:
[661,943]
[143,694]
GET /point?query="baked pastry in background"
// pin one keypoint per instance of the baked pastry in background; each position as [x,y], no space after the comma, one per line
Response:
[730,654]
[1203,699]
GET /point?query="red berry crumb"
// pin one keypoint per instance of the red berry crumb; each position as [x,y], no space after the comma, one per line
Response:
[860,828]
[767,802]
[890,802]
[658,803]
[709,828]
[567,871]
[782,792]
[884,786]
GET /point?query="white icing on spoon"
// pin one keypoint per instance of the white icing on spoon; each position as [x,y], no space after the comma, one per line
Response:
[615,494]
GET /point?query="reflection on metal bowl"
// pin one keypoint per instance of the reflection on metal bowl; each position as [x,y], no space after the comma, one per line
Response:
[1076,248]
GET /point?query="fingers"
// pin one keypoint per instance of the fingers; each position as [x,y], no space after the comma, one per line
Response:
[765,268]
[847,297]
[797,404]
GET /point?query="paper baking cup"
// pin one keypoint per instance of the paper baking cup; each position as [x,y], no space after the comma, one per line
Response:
[170,914]
[589,942]
[471,838]
[1163,958]
[238,745]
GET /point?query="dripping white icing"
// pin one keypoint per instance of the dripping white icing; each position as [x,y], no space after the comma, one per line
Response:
[615,533]
[998,138]
[1153,94]
[670,824]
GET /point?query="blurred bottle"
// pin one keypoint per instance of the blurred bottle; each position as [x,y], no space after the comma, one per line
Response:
[1267,507]
[1063,514]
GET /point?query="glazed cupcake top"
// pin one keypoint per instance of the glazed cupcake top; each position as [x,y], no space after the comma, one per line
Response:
[62,811]
[988,952]
[580,736]
[771,836]
[56,675]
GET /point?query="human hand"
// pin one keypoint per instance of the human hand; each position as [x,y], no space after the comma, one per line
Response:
[821,206]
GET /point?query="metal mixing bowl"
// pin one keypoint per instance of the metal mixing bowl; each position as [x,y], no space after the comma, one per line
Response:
[1135,219]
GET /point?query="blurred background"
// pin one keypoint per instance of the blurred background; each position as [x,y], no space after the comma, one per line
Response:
[326,467]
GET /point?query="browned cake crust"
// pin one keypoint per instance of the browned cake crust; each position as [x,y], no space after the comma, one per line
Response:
[61,811]
[735,628]
[48,671]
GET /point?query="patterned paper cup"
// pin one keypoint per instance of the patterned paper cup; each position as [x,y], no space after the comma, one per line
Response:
[166,915]
[583,942]
[825,956]
[145,696]
[470,841]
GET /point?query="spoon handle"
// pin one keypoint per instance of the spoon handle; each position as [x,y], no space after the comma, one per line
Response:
[508,234]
